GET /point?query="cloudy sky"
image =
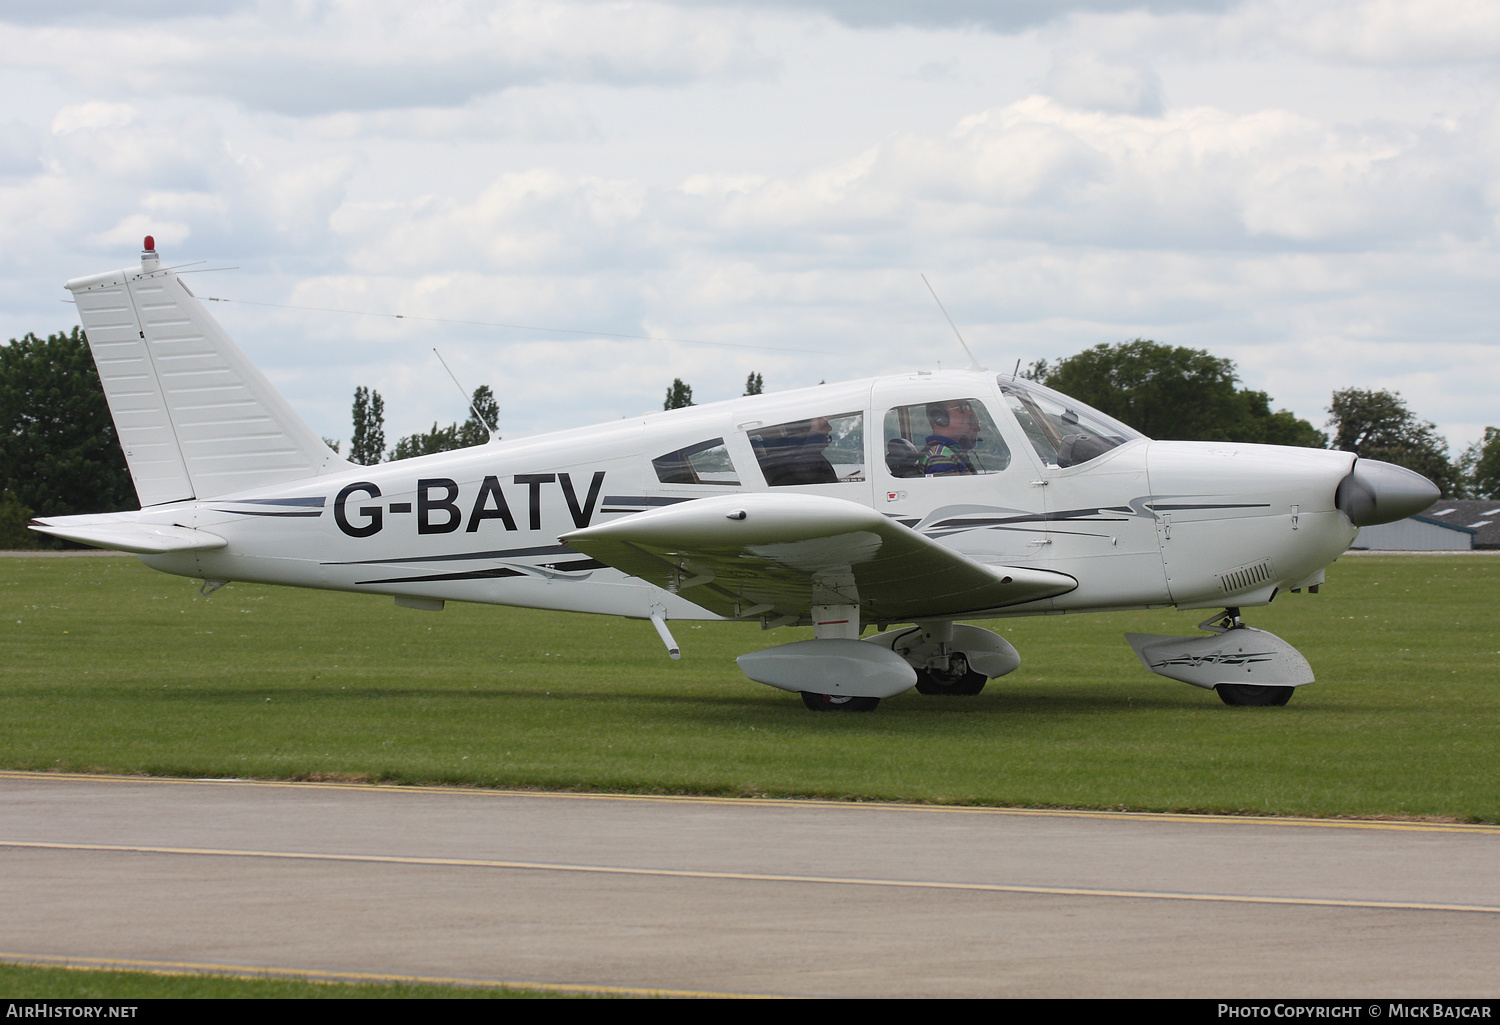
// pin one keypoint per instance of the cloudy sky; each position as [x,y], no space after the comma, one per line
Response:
[1309,189]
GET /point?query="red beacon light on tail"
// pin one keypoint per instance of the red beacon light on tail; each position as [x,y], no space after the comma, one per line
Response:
[149,245]
[149,257]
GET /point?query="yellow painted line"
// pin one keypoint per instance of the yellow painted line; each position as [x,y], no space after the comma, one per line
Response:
[754,877]
[106,964]
[1399,825]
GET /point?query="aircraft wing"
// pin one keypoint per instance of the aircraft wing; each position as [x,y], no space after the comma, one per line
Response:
[778,555]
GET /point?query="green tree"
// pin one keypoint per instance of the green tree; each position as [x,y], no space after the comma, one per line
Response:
[754,384]
[59,454]
[367,443]
[1478,469]
[455,436]
[1282,427]
[1377,425]
[1175,394]
[13,519]
[1036,372]
[439,439]
[679,395]
[484,413]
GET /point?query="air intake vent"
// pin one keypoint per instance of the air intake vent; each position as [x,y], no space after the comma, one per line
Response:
[1244,578]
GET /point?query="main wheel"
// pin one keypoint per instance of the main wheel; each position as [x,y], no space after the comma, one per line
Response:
[837,703]
[960,682]
[1249,694]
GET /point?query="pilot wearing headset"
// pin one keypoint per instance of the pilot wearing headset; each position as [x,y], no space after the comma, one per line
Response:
[956,431]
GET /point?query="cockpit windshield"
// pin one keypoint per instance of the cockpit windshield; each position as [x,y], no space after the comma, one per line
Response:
[1063,431]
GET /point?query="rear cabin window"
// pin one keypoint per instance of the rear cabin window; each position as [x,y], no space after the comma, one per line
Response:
[821,450]
[704,463]
[952,437]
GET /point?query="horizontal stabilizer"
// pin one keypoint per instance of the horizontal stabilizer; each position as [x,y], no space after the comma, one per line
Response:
[1243,655]
[776,555]
[128,536]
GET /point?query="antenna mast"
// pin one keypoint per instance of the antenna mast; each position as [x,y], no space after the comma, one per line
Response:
[973,363]
[487,425]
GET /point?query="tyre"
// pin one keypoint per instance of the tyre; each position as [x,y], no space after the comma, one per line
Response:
[962,682]
[837,703]
[1248,694]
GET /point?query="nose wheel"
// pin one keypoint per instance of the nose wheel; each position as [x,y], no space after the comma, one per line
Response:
[1243,665]
[1258,697]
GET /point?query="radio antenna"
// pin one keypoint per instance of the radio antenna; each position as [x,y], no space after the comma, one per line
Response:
[973,363]
[487,425]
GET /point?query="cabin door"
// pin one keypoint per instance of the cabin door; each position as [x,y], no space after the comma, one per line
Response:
[946,468]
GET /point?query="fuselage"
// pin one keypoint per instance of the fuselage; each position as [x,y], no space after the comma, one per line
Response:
[1138,523]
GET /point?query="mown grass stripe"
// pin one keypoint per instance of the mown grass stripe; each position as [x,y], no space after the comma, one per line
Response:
[108,667]
[320,975]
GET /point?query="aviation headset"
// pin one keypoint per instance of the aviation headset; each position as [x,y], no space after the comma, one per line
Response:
[938,413]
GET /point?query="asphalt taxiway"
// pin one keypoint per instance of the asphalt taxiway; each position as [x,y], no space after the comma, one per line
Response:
[701,895]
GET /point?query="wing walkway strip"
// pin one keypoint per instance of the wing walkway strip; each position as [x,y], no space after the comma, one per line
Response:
[758,877]
[1399,825]
[107,964]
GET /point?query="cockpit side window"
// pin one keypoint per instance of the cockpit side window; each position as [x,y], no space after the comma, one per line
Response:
[951,437]
[704,463]
[1064,432]
[822,450]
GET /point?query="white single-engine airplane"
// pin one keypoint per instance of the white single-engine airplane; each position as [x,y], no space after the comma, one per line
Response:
[908,501]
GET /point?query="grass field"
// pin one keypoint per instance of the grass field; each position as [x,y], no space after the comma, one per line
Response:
[107,666]
[34,982]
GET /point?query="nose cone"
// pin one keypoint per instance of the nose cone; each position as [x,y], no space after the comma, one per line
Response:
[1379,492]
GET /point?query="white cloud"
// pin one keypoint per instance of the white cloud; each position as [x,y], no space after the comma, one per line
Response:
[1395,31]
[1007,17]
[21,148]
[131,230]
[1194,178]
[304,59]
[1093,82]
[525,112]
[757,174]
[93,115]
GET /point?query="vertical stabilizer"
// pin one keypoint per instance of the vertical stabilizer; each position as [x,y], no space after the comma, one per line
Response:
[196,419]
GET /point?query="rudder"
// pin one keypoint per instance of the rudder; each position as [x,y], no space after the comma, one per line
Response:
[195,417]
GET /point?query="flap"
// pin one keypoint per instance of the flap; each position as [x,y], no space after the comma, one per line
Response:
[780,554]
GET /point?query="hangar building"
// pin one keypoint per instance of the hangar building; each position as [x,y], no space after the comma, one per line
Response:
[1448,525]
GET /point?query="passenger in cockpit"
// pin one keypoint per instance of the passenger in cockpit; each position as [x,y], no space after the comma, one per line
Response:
[794,455]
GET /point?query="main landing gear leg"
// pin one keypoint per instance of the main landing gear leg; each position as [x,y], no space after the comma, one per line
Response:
[837,622]
[835,703]
[945,671]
